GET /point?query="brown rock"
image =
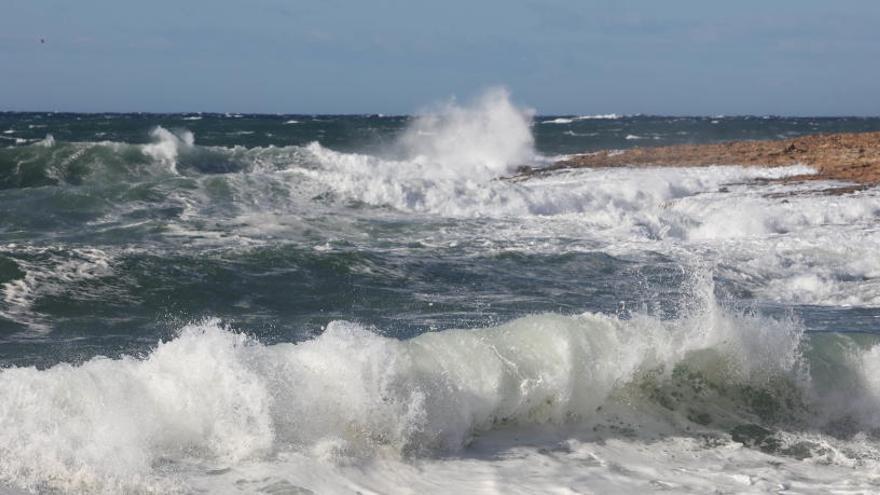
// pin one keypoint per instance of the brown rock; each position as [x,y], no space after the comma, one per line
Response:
[853,157]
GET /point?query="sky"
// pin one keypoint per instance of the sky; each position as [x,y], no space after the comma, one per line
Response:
[677,57]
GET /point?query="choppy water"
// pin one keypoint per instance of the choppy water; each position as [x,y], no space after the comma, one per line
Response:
[277,304]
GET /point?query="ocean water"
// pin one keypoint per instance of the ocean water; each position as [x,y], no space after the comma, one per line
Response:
[227,303]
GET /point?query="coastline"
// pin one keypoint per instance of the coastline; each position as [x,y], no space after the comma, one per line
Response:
[849,157]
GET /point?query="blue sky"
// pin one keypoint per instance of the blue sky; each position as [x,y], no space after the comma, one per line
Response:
[792,57]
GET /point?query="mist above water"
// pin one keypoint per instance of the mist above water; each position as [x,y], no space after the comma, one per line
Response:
[484,139]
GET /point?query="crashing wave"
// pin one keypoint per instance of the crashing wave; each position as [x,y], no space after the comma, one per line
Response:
[211,395]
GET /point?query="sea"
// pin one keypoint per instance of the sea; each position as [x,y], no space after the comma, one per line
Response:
[364,304]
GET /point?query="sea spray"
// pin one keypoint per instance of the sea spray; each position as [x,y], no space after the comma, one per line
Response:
[168,145]
[443,161]
[211,395]
[485,348]
[483,140]
[103,426]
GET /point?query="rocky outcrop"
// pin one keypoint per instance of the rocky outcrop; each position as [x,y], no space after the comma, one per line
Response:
[853,157]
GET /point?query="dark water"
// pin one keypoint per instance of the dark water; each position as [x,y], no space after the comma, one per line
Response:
[366,133]
[113,249]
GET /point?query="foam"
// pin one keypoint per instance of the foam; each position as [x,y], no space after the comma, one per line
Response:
[167,146]
[47,142]
[483,140]
[784,242]
[410,185]
[444,156]
[119,417]
[213,399]
[867,364]
[47,271]
[781,242]
[558,120]
[788,243]
[569,120]
[558,465]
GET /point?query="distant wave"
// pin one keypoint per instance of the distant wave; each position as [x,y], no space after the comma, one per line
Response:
[569,120]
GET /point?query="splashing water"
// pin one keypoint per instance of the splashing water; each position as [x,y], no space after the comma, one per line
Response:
[444,161]
[481,141]
[414,323]
[168,145]
[211,396]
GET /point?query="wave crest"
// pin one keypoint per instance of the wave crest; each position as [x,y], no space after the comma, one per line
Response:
[167,145]
[213,396]
[481,141]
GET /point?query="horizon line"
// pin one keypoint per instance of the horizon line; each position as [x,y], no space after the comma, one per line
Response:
[584,116]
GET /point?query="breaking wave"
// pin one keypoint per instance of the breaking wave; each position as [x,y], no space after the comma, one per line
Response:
[481,141]
[569,120]
[455,162]
[167,145]
[212,396]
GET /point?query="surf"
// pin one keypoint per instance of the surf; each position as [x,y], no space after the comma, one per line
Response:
[213,395]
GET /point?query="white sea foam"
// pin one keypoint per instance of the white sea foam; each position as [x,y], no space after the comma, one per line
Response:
[214,400]
[569,120]
[784,242]
[167,145]
[453,152]
[581,134]
[47,142]
[471,191]
[787,243]
[482,141]
[47,271]
[558,120]
[606,116]
[867,403]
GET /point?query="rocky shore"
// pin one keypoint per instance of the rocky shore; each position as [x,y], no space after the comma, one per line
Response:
[853,157]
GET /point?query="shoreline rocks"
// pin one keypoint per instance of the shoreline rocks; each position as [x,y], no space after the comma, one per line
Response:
[850,157]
